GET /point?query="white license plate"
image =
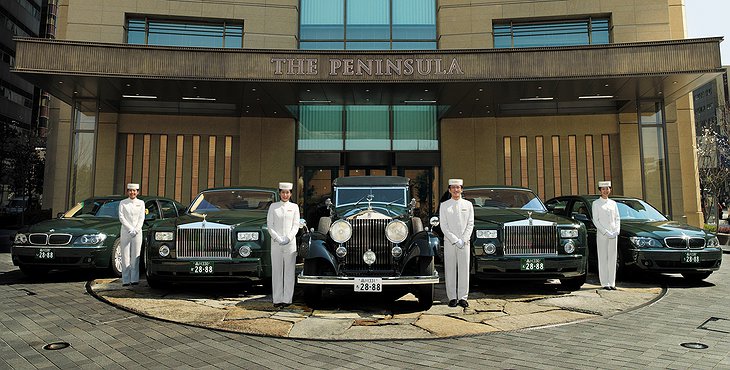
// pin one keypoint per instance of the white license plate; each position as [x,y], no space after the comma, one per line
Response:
[201,267]
[368,284]
[45,254]
[691,257]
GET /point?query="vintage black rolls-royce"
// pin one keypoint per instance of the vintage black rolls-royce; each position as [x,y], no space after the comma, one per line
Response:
[370,242]
[648,240]
[222,236]
[515,238]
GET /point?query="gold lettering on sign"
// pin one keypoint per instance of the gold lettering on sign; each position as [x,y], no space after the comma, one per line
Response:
[369,66]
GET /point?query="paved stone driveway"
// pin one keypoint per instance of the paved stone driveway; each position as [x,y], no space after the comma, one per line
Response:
[34,313]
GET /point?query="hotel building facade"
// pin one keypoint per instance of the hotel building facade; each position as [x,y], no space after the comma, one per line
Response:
[554,95]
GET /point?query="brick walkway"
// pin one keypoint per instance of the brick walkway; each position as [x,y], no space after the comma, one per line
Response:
[58,309]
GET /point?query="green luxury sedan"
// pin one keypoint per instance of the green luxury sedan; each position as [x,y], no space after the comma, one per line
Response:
[85,237]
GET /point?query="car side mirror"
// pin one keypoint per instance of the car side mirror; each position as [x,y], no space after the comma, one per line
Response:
[434,221]
[580,217]
[303,224]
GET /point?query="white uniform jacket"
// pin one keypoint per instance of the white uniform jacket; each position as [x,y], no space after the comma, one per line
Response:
[283,221]
[457,220]
[131,214]
[605,217]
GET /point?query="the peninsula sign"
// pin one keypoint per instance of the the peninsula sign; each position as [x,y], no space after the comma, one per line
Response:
[368,66]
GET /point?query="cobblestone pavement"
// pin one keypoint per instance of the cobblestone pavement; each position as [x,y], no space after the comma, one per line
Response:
[58,309]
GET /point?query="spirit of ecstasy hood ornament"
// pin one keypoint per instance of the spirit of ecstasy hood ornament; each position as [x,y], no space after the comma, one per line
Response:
[529,217]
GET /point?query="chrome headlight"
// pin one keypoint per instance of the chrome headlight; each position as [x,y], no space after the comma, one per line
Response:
[244,250]
[90,239]
[21,238]
[165,236]
[486,234]
[369,257]
[247,236]
[713,242]
[568,233]
[569,247]
[396,251]
[164,250]
[396,231]
[341,231]
[644,242]
[341,251]
[490,248]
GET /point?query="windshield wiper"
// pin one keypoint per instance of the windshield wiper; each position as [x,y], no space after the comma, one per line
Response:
[361,199]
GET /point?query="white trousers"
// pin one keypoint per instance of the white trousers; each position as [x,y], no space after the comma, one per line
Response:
[456,271]
[283,264]
[606,252]
[130,247]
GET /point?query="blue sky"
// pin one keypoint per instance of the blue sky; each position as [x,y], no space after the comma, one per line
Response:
[710,18]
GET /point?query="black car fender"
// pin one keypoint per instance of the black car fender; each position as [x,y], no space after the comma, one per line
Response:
[318,249]
[424,244]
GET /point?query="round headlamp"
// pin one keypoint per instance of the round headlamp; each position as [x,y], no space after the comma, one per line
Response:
[396,251]
[569,247]
[244,251]
[490,248]
[369,257]
[164,250]
[396,231]
[341,251]
[341,231]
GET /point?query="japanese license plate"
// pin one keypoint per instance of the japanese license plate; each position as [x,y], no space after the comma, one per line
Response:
[368,284]
[201,267]
[532,264]
[45,254]
[690,257]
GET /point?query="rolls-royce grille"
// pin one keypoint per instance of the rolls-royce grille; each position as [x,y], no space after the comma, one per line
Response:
[530,240]
[685,243]
[203,243]
[368,234]
[52,239]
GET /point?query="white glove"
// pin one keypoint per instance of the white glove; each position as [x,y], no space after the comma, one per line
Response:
[284,240]
[133,233]
[460,244]
[610,234]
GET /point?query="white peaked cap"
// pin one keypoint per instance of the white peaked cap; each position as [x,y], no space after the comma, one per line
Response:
[456,182]
[132,186]
[604,184]
[285,186]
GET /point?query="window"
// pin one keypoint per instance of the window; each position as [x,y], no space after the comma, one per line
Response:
[368,25]
[214,34]
[168,209]
[587,31]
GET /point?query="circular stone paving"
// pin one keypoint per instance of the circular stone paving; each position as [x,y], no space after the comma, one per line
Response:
[345,315]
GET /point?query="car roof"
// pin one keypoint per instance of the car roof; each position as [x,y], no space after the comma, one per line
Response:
[509,187]
[593,197]
[243,187]
[371,181]
[120,197]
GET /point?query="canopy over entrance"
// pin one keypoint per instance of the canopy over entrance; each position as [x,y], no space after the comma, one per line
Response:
[463,83]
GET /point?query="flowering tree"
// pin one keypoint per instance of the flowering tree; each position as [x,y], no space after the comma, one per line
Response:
[713,157]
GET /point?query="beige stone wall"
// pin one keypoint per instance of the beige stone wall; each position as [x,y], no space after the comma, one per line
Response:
[468,24]
[267,151]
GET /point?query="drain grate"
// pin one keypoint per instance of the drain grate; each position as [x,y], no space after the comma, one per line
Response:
[693,345]
[717,324]
[55,346]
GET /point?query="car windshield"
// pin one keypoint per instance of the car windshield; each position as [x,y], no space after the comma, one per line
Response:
[95,208]
[504,198]
[224,200]
[637,210]
[388,195]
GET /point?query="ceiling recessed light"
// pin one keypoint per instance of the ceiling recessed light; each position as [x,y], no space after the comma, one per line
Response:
[128,85]
[480,90]
[426,90]
[139,96]
[539,87]
[596,97]
[309,90]
[537,98]
[197,98]
[367,90]
[60,82]
[477,99]
[195,87]
[253,89]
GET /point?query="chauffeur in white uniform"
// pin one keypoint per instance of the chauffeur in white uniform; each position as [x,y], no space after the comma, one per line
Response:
[283,223]
[608,227]
[131,215]
[456,216]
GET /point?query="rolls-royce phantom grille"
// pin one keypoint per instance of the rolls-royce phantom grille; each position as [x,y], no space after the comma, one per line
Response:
[682,243]
[52,239]
[204,243]
[368,234]
[530,240]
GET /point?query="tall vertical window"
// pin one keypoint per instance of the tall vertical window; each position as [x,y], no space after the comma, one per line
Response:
[507,160]
[557,181]
[83,150]
[573,158]
[606,143]
[590,170]
[524,179]
[655,169]
[209,33]
[368,25]
[540,153]
[589,31]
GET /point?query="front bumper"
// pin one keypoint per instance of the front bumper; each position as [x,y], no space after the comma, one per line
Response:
[508,267]
[350,280]
[70,257]
[670,260]
[171,270]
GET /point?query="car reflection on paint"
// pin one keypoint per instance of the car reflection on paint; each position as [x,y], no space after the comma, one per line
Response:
[648,240]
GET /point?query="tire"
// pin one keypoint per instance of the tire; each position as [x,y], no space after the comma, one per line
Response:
[696,277]
[417,225]
[573,283]
[312,293]
[424,292]
[153,282]
[115,262]
[33,271]
[324,225]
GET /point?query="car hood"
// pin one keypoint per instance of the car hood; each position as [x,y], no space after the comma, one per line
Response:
[499,217]
[231,218]
[77,225]
[660,229]
[392,211]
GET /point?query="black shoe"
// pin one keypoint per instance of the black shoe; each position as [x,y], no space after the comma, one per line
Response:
[135,283]
[452,303]
[613,288]
[127,284]
[285,304]
[607,288]
[278,305]
[463,303]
